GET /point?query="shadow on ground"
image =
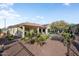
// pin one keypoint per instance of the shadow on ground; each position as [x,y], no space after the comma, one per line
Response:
[5,41]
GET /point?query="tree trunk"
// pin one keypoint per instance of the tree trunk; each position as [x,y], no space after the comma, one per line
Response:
[68,48]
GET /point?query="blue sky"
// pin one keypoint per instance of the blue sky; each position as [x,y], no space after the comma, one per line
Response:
[40,13]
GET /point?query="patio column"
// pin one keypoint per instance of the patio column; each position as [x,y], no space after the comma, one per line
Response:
[23,32]
[42,31]
[38,30]
[12,31]
[46,30]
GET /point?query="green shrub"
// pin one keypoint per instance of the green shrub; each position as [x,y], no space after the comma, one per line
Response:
[67,37]
[29,37]
[42,38]
[32,37]
[25,39]
[9,36]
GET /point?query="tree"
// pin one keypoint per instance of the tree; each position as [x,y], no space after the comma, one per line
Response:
[59,26]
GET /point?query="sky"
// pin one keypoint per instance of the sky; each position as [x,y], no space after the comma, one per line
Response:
[41,13]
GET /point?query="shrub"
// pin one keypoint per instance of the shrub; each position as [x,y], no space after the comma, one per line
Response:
[67,37]
[41,38]
[32,37]
[29,37]
[9,36]
[25,39]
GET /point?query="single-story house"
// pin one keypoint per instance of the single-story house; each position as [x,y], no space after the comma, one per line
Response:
[21,29]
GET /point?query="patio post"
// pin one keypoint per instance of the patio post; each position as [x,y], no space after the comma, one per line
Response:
[23,32]
[41,30]
[12,31]
[46,30]
[38,30]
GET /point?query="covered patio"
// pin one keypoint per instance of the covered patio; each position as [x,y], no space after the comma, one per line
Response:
[21,29]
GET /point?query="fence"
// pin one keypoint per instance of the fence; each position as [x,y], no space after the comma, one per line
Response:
[73,48]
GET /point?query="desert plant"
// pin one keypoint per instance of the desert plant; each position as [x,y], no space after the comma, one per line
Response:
[29,37]
[41,38]
[25,39]
[67,37]
[9,36]
[32,37]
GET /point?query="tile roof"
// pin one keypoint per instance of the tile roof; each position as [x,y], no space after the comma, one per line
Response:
[27,24]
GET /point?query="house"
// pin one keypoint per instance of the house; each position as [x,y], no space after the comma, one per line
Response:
[21,29]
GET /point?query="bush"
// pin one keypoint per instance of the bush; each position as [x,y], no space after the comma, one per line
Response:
[25,39]
[67,37]
[9,36]
[29,37]
[32,37]
[41,38]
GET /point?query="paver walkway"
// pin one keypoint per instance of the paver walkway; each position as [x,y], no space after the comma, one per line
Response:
[52,48]
[16,49]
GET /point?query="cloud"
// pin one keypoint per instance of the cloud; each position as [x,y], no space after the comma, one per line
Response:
[67,4]
[40,17]
[6,5]
[6,12]
[13,17]
[37,19]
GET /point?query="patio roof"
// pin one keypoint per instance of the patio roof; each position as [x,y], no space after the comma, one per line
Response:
[27,24]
